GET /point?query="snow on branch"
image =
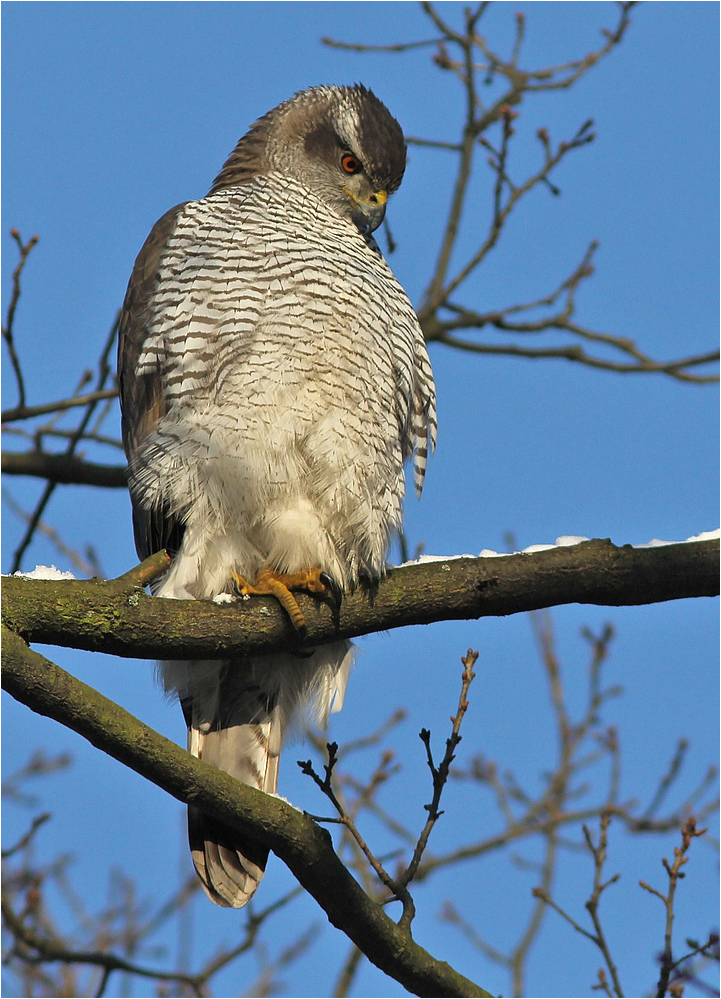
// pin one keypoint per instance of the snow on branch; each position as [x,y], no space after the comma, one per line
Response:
[117,617]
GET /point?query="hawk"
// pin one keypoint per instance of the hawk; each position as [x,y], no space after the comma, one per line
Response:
[273,381]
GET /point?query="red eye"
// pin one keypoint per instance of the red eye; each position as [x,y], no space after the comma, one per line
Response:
[350,164]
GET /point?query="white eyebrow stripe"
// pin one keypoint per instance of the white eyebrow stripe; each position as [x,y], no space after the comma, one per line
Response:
[348,126]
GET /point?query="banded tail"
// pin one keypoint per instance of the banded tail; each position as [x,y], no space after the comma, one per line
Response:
[237,713]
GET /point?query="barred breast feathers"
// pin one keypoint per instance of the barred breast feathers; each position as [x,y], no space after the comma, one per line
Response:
[221,329]
[274,380]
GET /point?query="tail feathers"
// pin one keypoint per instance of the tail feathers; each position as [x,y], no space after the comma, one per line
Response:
[237,713]
[231,865]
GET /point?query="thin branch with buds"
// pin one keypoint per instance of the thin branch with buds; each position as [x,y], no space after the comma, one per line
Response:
[103,373]
[599,886]
[399,885]
[467,54]
[396,889]
[440,773]
[675,873]
[7,329]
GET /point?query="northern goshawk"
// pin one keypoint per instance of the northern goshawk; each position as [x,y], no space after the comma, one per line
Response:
[273,380]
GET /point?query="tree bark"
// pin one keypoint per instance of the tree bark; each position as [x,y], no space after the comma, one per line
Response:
[117,617]
[305,847]
[63,468]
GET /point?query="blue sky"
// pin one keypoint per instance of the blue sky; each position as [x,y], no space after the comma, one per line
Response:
[112,113]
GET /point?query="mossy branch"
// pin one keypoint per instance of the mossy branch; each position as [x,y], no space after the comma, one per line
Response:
[116,616]
[303,846]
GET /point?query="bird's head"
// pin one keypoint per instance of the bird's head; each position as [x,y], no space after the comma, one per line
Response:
[342,143]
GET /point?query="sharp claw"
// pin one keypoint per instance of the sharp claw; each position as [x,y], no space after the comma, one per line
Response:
[335,590]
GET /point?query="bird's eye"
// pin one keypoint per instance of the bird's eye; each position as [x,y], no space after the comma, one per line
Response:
[350,164]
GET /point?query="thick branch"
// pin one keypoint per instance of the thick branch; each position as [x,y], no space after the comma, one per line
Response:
[301,844]
[64,469]
[119,618]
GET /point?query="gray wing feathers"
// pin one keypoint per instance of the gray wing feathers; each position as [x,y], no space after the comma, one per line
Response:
[142,399]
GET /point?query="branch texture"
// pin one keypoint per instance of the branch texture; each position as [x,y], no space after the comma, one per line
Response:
[61,468]
[303,846]
[119,618]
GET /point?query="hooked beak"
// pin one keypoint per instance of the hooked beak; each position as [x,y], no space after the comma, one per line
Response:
[370,212]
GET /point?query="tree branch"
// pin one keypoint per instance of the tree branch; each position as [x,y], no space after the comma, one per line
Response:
[458,52]
[28,412]
[61,468]
[303,846]
[117,617]
[7,329]
[575,353]
[103,374]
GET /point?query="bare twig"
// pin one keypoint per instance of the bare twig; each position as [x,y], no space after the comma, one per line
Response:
[400,47]
[598,938]
[599,857]
[348,972]
[602,985]
[28,412]
[683,970]
[599,886]
[25,840]
[253,924]
[580,356]
[414,140]
[7,330]
[397,889]
[688,834]
[667,780]
[365,798]
[440,773]
[371,805]
[39,765]
[520,951]
[501,212]
[103,374]
[450,914]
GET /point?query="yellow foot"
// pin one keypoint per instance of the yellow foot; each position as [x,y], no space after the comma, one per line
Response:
[279,585]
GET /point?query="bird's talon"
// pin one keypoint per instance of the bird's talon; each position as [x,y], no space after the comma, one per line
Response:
[280,585]
[331,585]
[240,586]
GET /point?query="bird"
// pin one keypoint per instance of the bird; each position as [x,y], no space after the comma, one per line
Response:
[274,380]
